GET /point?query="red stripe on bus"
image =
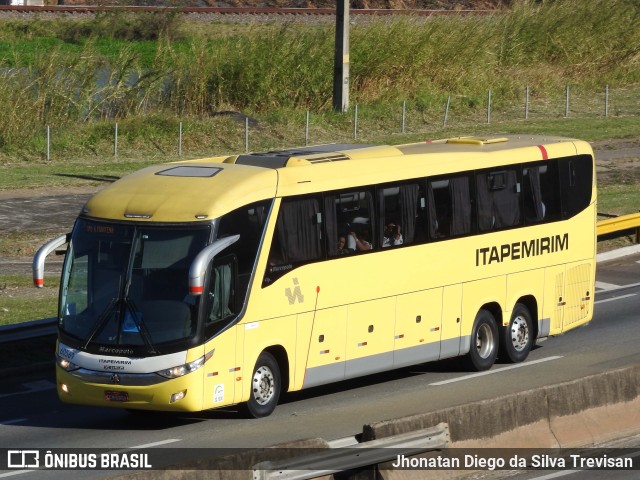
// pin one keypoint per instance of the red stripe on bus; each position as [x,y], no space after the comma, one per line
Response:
[545,155]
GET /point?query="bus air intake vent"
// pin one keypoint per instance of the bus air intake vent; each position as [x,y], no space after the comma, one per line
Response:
[329,158]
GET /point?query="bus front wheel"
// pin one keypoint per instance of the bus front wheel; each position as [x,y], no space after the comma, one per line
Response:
[265,386]
[517,338]
[484,342]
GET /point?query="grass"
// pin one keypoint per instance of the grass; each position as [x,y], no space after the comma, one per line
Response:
[619,199]
[19,305]
[77,76]
[151,73]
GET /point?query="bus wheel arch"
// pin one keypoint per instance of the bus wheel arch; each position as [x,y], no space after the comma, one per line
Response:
[269,378]
[484,339]
[518,337]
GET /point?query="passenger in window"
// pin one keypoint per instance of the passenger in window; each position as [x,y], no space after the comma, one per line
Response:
[392,235]
[342,246]
[361,242]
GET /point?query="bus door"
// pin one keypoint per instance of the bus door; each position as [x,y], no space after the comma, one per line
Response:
[418,327]
[221,307]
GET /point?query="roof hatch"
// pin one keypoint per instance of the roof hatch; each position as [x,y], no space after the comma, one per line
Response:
[477,140]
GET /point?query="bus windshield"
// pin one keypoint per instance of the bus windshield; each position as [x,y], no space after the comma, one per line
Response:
[127,285]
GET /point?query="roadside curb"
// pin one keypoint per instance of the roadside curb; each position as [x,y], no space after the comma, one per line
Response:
[618,253]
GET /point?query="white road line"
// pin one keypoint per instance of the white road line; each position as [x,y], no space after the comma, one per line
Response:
[497,370]
[620,287]
[32,387]
[17,472]
[606,286]
[556,475]
[148,445]
[154,444]
[615,298]
[12,421]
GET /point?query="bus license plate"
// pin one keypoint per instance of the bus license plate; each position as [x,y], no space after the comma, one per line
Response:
[114,396]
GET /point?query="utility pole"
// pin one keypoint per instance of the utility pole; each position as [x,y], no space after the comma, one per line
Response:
[341,58]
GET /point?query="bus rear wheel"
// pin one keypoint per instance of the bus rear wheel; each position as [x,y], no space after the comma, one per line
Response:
[517,338]
[265,386]
[484,342]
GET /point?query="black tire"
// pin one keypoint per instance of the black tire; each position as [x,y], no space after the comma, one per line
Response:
[484,342]
[265,386]
[517,338]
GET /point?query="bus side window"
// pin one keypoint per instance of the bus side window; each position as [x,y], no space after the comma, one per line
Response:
[348,214]
[249,222]
[221,297]
[399,213]
[541,192]
[498,199]
[449,206]
[576,183]
[297,238]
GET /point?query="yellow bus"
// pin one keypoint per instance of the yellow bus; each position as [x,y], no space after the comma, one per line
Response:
[230,280]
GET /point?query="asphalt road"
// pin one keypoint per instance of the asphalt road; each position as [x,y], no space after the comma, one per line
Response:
[32,417]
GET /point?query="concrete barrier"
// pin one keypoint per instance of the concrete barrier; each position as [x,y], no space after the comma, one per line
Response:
[581,413]
[603,406]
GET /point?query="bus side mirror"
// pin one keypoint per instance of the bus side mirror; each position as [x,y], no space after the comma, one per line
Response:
[41,255]
[199,266]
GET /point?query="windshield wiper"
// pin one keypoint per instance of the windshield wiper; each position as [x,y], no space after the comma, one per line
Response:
[142,329]
[102,321]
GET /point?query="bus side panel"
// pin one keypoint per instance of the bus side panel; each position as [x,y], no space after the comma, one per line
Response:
[522,284]
[220,371]
[475,295]
[418,327]
[325,361]
[370,329]
[451,321]
[578,309]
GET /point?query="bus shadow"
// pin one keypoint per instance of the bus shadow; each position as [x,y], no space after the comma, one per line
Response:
[94,178]
[451,365]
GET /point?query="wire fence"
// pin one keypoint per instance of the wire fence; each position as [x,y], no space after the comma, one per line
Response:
[455,111]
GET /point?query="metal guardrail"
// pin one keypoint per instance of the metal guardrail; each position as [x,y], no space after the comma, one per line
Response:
[28,330]
[617,226]
[348,458]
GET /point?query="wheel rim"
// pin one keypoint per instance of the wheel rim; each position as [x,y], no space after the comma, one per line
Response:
[484,341]
[263,385]
[519,333]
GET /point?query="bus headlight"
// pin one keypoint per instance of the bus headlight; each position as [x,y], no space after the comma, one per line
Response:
[66,364]
[181,370]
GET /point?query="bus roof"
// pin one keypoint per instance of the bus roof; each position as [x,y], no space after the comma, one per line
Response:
[196,190]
